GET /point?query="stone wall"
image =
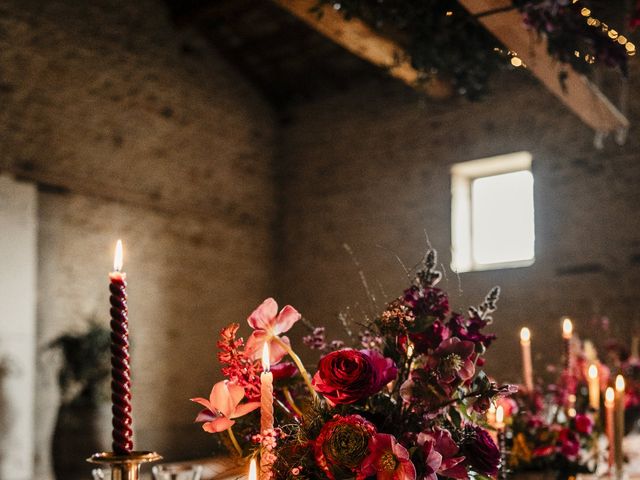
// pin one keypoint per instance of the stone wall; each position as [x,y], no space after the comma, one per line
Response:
[370,168]
[134,130]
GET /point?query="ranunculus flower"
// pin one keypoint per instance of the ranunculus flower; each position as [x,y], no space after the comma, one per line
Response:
[223,406]
[347,376]
[453,360]
[452,465]
[342,445]
[584,424]
[481,452]
[267,325]
[388,460]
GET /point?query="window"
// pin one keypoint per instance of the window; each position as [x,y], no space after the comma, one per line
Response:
[492,213]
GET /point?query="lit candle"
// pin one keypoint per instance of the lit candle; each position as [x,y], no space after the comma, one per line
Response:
[567,335]
[619,422]
[500,418]
[120,379]
[253,471]
[266,404]
[594,387]
[266,392]
[609,403]
[527,368]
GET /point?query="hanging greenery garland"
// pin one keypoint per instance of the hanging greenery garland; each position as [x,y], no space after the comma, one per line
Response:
[444,41]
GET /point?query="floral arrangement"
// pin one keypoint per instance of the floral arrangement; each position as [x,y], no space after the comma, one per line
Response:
[408,401]
[443,40]
[543,437]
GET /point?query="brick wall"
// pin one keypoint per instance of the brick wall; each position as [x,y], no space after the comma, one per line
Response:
[135,130]
[370,168]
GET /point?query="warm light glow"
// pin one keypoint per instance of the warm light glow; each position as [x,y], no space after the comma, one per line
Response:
[516,62]
[609,396]
[492,409]
[499,415]
[266,364]
[525,335]
[572,412]
[410,349]
[593,371]
[253,470]
[567,328]
[117,258]
[619,383]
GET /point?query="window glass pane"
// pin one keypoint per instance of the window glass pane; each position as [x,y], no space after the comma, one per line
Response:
[502,221]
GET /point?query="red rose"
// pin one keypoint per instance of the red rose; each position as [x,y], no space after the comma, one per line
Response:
[347,376]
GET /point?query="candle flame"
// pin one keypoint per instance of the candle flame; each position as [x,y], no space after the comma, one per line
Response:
[567,328]
[499,415]
[525,334]
[117,258]
[266,364]
[253,470]
[492,409]
[619,383]
[609,396]
[593,371]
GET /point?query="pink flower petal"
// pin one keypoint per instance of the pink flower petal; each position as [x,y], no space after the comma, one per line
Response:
[263,317]
[276,351]
[255,343]
[205,415]
[218,425]
[202,401]
[236,392]
[244,408]
[221,400]
[287,317]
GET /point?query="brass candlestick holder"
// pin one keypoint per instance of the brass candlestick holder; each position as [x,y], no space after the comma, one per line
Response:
[124,467]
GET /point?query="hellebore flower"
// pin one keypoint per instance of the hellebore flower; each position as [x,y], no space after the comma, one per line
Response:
[223,406]
[387,460]
[453,360]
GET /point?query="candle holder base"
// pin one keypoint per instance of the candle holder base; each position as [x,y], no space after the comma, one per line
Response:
[124,467]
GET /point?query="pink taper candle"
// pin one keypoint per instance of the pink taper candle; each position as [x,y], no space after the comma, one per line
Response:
[120,380]
[527,367]
[266,404]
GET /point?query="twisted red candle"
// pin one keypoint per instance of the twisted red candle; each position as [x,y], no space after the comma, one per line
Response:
[120,381]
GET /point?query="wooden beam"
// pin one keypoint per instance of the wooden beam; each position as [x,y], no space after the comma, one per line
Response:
[356,36]
[579,94]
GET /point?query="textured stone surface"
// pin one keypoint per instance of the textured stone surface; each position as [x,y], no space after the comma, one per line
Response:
[139,131]
[371,169]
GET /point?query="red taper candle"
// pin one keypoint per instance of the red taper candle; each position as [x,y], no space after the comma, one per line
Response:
[120,379]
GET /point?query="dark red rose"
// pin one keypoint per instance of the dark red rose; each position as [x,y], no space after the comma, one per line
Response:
[480,451]
[342,445]
[569,443]
[347,376]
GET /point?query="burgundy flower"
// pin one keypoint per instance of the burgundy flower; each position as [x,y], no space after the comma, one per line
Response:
[453,360]
[388,460]
[347,376]
[584,424]
[470,329]
[481,452]
[452,465]
[569,443]
[342,445]
[427,302]
[284,370]
[430,338]
[432,461]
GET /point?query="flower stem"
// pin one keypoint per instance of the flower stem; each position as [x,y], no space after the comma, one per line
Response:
[289,397]
[299,364]
[234,441]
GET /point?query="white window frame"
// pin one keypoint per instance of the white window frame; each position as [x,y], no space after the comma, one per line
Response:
[462,176]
